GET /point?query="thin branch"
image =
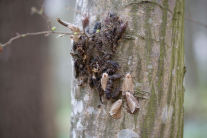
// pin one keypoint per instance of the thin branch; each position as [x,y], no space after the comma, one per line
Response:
[35,33]
[64,23]
[41,12]
[48,21]
[196,22]
[34,10]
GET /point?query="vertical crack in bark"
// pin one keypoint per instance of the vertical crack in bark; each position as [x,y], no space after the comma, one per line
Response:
[162,52]
[148,123]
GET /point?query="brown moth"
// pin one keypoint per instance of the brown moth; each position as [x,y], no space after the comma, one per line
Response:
[104,81]
[132,102]
[118,115]
[127,85]
[85,20]
[115,107]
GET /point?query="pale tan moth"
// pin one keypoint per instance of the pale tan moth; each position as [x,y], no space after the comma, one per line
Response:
[115,107]
[127,85]
[104,81]
[132,102]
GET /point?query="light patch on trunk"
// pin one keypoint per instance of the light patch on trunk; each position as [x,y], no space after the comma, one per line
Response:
[94,122]
[86,97]
[79,106]
[74,104]
[71,114]
[150,21]
[127,133]
[79,2]
[79,126]
[129,62]
[90,110]
[167,113]
[138,84]
[150,67]
[74,133]
[173,72]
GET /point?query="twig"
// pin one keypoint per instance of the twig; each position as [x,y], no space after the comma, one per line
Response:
[84,33]
[48,21]
[41,12]
[196,22]
[64,23]
[35,33]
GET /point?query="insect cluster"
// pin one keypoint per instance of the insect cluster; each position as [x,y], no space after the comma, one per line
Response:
[127,93]
[93,51]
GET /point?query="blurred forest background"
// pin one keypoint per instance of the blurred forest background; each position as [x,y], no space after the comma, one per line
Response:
[35,72]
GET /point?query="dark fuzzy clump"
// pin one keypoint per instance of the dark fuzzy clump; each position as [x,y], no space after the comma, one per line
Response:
[93,54]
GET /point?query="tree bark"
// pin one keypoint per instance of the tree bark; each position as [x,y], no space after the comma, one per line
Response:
[25,104]
[155,58]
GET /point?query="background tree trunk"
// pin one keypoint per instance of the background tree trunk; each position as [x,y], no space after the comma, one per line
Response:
[155,59]
[25,106]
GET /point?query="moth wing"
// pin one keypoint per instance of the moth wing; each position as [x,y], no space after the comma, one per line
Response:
[118,115]
[131,104]
[104,81]
[130,85]
[135,101]
[115,107]
[127,84]
[124,86]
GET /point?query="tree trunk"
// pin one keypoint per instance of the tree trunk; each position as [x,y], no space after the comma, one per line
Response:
[155,58]
[25,104]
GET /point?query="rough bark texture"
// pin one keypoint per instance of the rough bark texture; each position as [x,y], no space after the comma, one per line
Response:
[155,58]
